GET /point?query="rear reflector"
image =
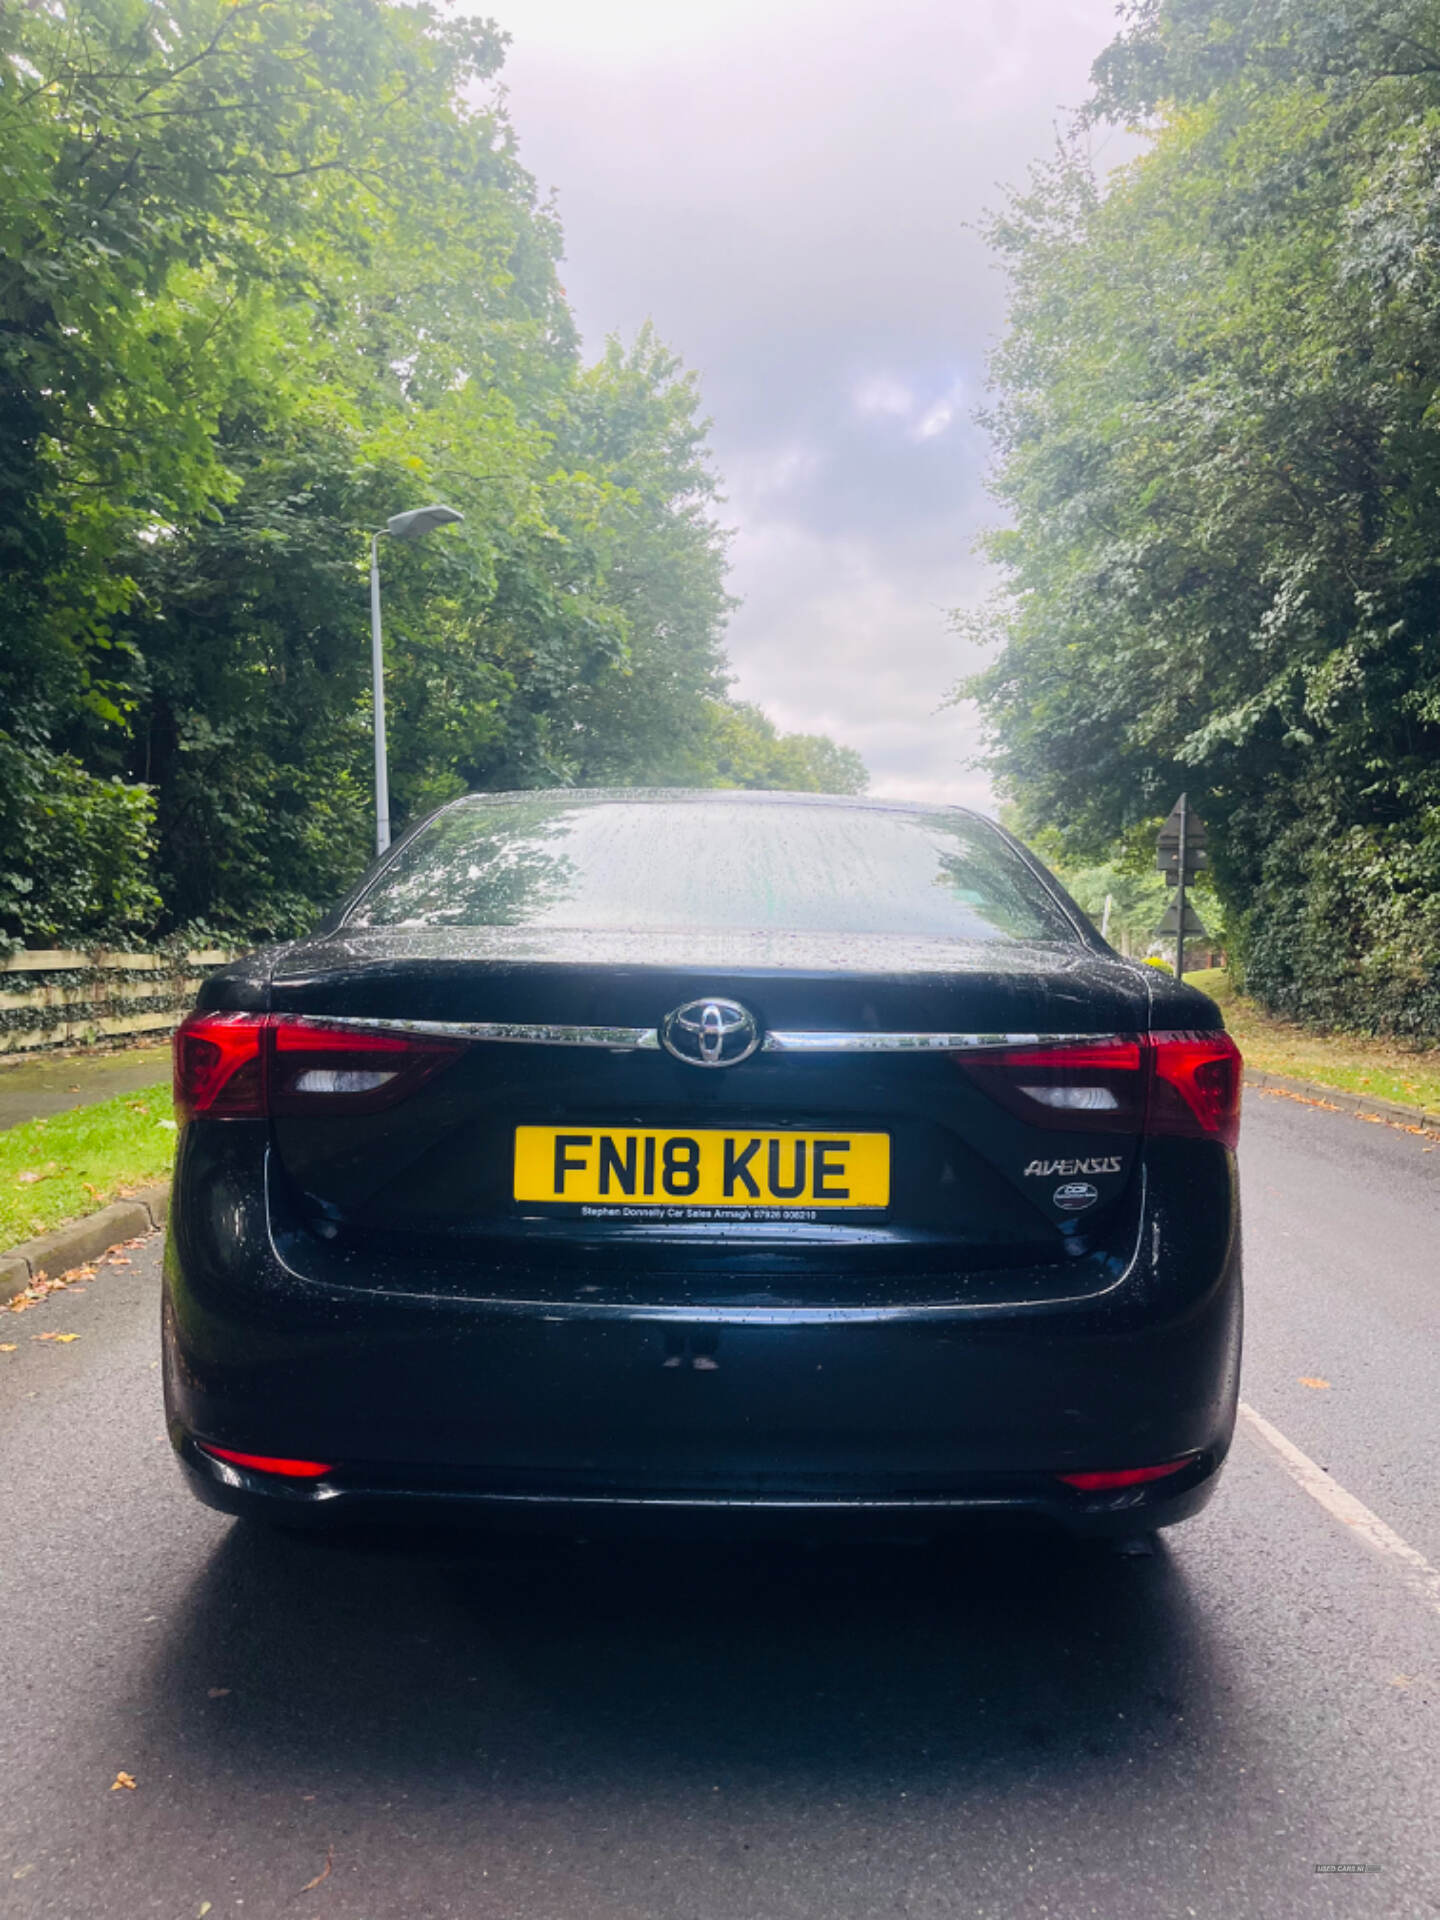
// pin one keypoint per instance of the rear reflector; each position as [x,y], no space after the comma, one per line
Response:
[265,1463]
[1124,1476]
[233,1066]
[1154,1083]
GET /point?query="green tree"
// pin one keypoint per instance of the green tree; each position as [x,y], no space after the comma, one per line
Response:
[78,874]
[746,749]
[1216,411]
[198,200]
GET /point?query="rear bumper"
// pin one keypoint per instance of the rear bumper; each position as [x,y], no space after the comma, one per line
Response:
[581,1414]
[350,1498]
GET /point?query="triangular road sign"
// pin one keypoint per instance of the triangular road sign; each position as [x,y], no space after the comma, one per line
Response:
[1195,928]
[1169,834]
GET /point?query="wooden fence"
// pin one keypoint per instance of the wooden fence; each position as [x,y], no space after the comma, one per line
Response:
[57,997]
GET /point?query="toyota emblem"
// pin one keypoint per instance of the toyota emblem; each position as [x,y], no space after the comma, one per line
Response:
[710,1033]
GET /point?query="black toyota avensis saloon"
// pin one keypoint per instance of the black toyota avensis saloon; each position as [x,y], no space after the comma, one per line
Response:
[652,1155]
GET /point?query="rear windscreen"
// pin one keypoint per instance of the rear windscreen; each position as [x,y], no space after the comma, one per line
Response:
[674,865]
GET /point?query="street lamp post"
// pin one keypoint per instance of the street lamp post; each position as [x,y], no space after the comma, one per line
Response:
[400,526]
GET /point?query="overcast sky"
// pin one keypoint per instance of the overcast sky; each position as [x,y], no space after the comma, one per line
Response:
[788,190]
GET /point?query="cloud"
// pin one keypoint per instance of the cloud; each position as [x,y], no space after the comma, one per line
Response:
[882,394]
[791,191]
[940,417]
[838,640]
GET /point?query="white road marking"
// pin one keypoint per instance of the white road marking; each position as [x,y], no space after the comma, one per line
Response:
[1415,1570]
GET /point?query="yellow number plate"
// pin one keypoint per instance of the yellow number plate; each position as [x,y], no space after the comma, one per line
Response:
[611,1167]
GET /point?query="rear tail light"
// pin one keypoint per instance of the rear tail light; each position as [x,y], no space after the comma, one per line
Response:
[1124,1476]
[1156,1083]
[268,1463]
[231,1066]
[1195,1089]
[220,1065]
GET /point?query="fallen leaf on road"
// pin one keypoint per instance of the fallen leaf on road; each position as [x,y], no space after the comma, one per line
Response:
[324,1873]
[204,1908]
[1314,1380]
[218,1693]
[55,1336]
[122,1780]
[43,1284]
[9,1346]
[1399,1679]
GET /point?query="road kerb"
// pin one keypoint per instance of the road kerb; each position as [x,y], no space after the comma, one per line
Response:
[1363,1106]
[81,1240]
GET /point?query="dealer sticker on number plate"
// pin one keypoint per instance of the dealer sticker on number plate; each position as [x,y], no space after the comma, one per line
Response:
[647,1174]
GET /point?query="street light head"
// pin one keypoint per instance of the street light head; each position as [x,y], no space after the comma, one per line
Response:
[409,526]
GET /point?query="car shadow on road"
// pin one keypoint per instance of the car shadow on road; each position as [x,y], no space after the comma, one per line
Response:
[996,1661]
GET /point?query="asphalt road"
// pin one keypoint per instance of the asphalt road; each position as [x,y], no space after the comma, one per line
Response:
[594,1734]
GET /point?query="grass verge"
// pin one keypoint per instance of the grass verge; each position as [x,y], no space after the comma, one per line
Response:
[56,1170]
[1349,1062]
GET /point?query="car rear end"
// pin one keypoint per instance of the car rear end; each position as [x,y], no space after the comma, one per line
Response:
[462,1226]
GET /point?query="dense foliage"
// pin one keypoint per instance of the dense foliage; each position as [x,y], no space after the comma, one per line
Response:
[1218,417]
[270,272]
